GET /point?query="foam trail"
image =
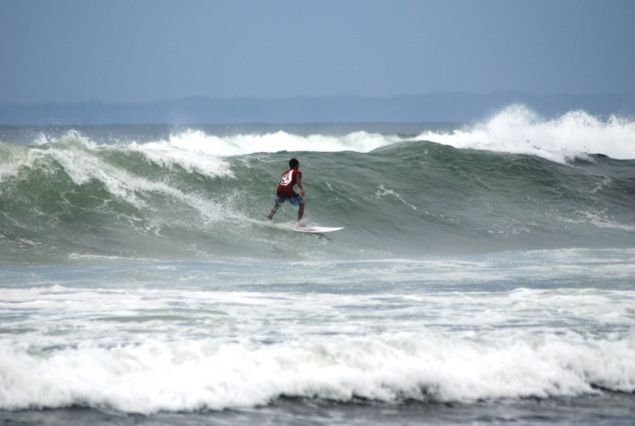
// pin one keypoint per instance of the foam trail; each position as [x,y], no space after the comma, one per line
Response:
[519,130]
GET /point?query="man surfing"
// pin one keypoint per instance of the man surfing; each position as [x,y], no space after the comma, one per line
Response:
[285,191]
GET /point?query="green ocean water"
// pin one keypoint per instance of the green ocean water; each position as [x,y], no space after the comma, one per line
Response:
[407,197]
[485,274]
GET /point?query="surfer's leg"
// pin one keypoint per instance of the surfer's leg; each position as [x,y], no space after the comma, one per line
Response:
[300,212]
[276,204]
[273,211]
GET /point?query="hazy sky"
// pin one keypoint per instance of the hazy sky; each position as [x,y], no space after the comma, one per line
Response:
[144,50]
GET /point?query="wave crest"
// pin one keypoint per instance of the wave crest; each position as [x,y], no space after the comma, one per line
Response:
[517,129]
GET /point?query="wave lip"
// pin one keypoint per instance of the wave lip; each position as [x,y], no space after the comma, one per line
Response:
[519,130]
[194,150]
[515,129]
[242,144]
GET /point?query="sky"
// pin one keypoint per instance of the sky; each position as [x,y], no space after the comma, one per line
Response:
[148,50]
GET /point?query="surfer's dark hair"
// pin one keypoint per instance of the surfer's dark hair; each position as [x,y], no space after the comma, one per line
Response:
[293,163]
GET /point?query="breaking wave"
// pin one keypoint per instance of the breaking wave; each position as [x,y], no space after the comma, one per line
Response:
[514,181]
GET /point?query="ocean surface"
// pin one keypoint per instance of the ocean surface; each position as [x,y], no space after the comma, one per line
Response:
[485,275]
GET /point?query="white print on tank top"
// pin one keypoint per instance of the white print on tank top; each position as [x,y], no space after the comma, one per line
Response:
[286,178]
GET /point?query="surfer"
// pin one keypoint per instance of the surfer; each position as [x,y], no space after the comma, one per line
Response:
[285,191]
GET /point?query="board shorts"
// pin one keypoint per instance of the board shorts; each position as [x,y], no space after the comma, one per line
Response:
[296,200]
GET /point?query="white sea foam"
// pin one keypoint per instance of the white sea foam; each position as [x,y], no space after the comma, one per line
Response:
[382,191]
[83,166]
[167,155]
[192,156]
[517,129]
[190,375]
[241,144]
[599,220]
[148,336]
[187,348]
[80,159]
[196,150]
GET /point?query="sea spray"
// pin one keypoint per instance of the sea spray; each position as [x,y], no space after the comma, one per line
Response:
[519,130]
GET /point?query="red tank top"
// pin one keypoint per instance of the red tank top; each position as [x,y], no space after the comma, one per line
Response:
[287,180]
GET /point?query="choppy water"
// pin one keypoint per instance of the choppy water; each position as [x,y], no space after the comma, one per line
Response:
[139,282]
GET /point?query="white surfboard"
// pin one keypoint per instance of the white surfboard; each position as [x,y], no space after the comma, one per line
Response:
[316,229]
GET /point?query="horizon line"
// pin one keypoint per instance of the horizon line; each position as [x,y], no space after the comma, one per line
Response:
[313,97]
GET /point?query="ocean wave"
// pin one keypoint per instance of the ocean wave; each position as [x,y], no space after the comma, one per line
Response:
[195,193]
[519,130]
[516,129]
[242,144]
[143,337]
[193,375]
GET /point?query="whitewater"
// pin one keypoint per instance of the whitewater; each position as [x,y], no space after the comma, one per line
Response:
[485,275]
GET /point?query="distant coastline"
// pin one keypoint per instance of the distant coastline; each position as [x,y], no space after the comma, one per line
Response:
[439,107]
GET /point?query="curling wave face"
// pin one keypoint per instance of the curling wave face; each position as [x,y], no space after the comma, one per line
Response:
[513,182]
